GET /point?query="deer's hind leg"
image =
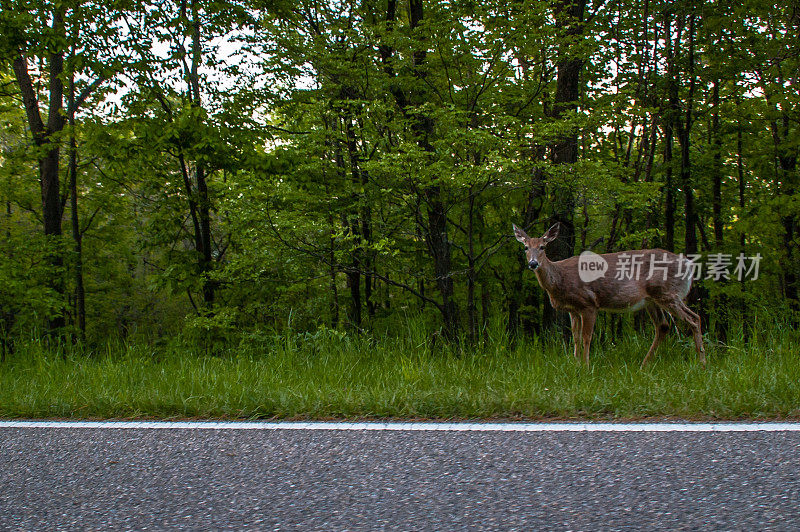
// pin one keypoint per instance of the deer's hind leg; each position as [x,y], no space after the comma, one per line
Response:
[696,331]
[659,319]
[678,308]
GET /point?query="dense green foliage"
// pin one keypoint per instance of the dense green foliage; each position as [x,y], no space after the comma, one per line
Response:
[225,170]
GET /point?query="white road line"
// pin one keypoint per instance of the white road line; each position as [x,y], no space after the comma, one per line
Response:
[407,426]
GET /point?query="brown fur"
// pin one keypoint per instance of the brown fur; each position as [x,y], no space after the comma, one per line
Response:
[658,296]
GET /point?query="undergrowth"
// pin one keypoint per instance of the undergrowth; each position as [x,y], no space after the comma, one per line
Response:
[329,374]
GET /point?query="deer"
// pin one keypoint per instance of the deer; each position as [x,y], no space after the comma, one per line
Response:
[660,291]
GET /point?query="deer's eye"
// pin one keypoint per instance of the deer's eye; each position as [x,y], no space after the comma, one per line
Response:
[541,247]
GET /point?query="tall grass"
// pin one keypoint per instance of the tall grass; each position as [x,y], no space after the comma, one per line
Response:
[334,375]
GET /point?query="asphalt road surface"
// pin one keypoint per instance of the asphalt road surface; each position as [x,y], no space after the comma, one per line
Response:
[190,479]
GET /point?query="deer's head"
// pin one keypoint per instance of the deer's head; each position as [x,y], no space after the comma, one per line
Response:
[534,247]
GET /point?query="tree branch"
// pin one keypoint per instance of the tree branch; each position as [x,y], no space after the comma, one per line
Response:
[85,93]
[29,98]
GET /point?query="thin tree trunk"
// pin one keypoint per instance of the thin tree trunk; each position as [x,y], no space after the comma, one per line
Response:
[740,178]
[332,272]
[368,259]
[360,223]
[741,183]
[354,284]
[472,316]
[684,136]
[353,272]
[721,304]
[419,257]
[669,135]
[80,293]
[436,236]
[485,309]
[203,200]
[717,167]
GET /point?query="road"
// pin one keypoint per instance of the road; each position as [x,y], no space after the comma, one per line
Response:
[64,478]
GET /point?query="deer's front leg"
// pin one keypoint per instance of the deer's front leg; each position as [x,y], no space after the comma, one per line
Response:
[575,323]
[588,318]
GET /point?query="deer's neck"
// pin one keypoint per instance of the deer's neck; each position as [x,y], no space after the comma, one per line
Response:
[548,275]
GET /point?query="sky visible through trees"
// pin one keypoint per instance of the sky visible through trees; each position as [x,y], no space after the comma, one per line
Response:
[224,168]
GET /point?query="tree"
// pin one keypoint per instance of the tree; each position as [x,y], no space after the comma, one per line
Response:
[49,42]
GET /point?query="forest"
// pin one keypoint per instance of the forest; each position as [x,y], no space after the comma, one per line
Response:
[212,170]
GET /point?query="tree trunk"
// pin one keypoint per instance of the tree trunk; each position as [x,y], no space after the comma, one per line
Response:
[368,259]
[472,315]
[439,247]
[43,138]
[360,223]
[436,236]
[721,304]
[564,151]
[351,224]
[669,124]
[203,237]
[717,167]
[788,163]
[354,284]
[332,272]
[698,292]
[434,225]
[77,236]
[741,185]
[684,134]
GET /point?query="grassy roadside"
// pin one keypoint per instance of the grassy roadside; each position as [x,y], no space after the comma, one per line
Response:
[333,376]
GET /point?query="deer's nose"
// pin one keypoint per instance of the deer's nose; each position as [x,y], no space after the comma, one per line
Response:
[533,264]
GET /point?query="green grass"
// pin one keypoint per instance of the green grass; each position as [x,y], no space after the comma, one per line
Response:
[329,375]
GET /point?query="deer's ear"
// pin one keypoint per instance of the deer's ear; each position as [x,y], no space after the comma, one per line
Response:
[551,234]
[520,234]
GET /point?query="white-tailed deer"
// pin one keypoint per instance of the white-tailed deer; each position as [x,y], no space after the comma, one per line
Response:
[653,279]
